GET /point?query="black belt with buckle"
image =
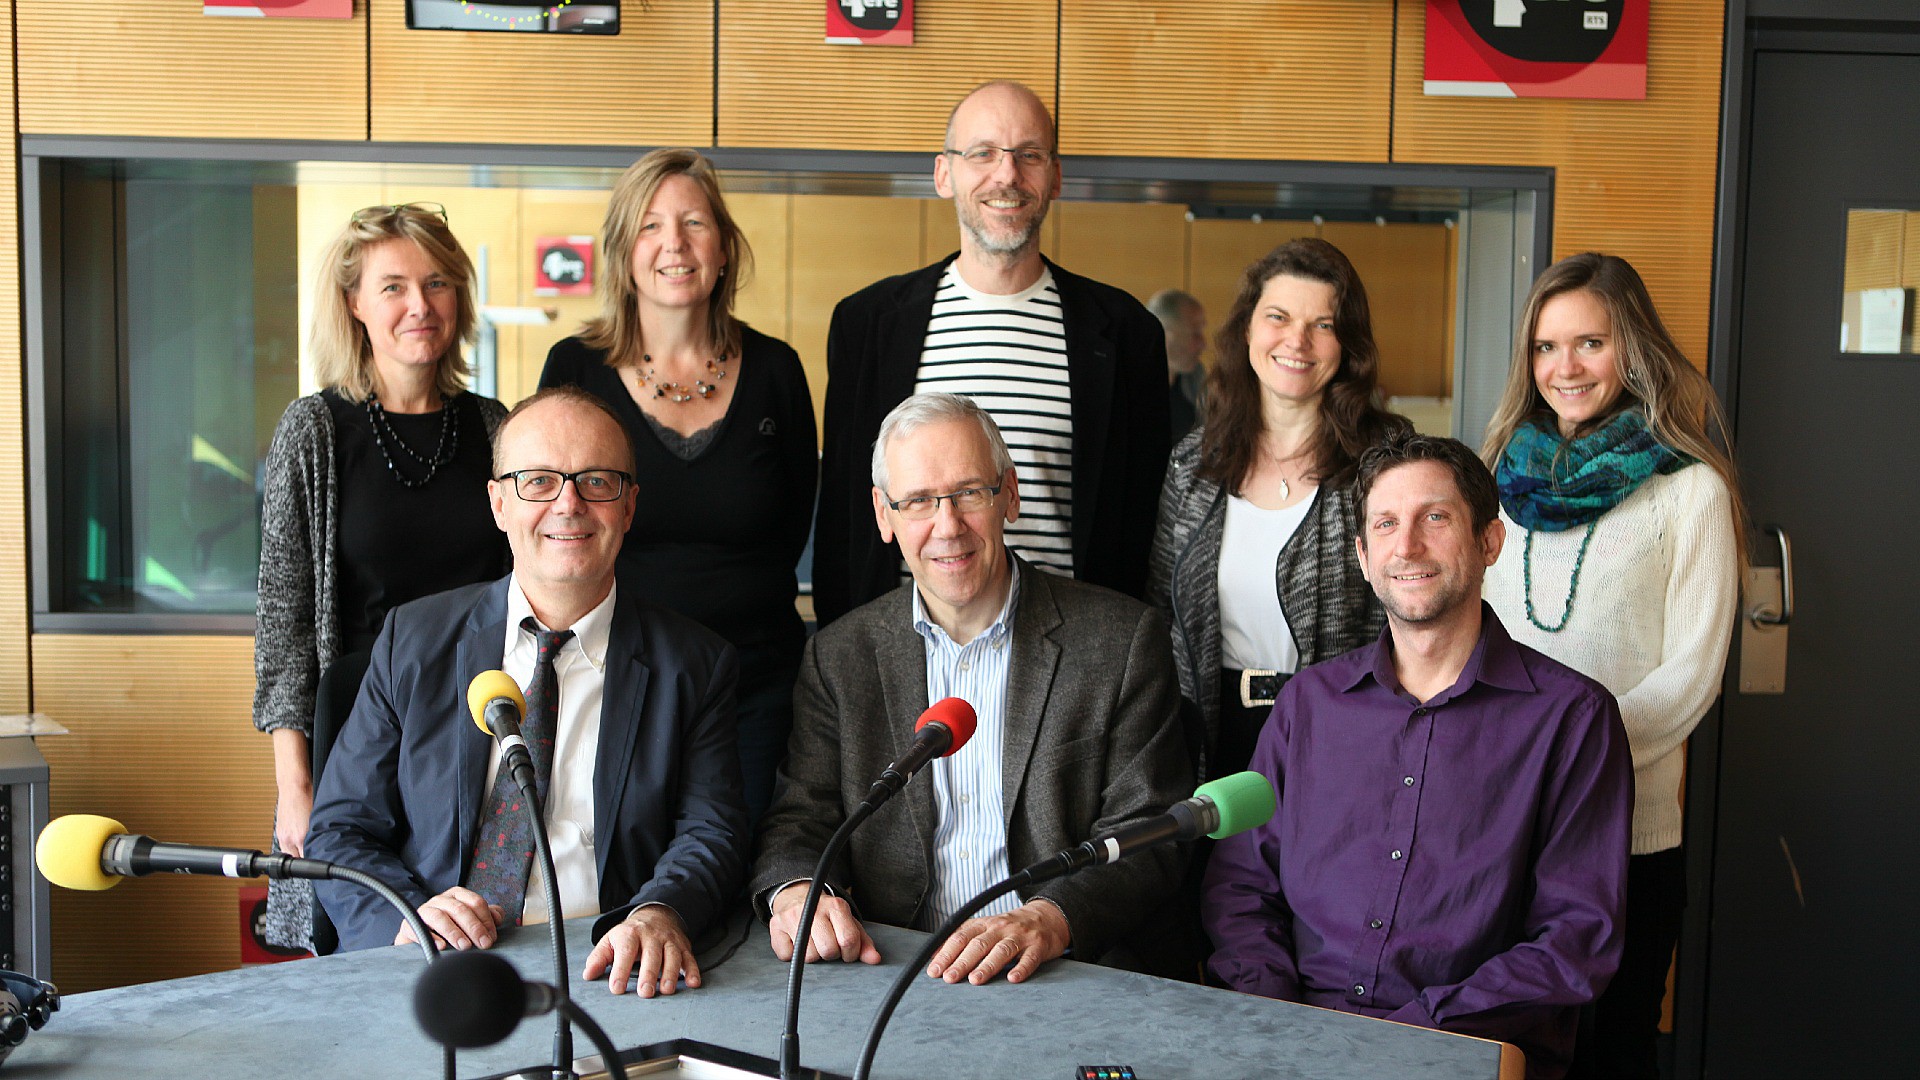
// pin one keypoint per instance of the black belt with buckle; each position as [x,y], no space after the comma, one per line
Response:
[1258,687]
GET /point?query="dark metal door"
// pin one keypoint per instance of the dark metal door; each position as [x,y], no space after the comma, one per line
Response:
[1814,950]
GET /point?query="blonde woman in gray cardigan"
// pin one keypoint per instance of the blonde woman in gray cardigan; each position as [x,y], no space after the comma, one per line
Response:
[1623,560]
[375,490]
[1253,558]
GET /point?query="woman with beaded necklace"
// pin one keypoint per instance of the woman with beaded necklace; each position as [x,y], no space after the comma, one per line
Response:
[722,424]
[1625,545]
[375,491]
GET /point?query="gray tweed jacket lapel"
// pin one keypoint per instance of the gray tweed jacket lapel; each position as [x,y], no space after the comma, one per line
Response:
[902,664]
[1030,677]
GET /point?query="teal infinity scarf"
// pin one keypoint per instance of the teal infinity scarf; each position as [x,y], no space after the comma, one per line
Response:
[1549,484]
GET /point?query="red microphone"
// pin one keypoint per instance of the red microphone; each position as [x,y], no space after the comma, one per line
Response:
[943,728]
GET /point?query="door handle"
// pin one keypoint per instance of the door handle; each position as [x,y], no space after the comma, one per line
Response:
[1762,613]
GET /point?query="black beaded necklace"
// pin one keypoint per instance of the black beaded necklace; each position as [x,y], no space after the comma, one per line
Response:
[383,433]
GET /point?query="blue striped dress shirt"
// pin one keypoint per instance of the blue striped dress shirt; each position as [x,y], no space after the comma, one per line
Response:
[970,831]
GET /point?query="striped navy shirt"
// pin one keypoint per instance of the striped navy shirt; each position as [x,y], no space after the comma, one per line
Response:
[1009,354]
[970,829]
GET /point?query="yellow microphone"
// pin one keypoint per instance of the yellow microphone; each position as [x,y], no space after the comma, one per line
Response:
[489,697]
[68,852]
[497,706]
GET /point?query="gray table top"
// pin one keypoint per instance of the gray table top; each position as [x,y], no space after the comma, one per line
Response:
[352,1016]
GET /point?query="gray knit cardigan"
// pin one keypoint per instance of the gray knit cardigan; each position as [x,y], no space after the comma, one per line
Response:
[1330,607]
[297,631]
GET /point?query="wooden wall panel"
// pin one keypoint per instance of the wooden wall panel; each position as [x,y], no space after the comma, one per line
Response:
[1289,79]
[1874,239]
[14,625]
[162,741]
[841,244]
[163,68]
[781,85]
[538,213]
[1633,178]
[1405,270]
[1139,247]
[650,85]
[765,299]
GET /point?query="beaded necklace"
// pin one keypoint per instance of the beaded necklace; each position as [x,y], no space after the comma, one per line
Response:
[1526,580]
[383,433]
[678,393]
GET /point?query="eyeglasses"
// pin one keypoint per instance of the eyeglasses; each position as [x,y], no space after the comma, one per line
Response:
[966,501]
[544,485]
[986,157]
[376,213]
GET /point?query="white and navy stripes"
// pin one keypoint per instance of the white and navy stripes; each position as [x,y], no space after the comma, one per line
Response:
[1009,354]
[970,829]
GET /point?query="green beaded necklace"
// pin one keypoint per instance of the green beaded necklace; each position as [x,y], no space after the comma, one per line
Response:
[1526,580]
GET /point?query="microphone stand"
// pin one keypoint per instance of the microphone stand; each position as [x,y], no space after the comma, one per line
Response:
[562,1034]
[609,1055]
[797,966]
[1046,870]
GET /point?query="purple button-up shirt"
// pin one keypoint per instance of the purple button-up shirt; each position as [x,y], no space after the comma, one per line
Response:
[1458,864]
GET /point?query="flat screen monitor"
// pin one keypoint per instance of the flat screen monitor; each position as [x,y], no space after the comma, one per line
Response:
[516,16]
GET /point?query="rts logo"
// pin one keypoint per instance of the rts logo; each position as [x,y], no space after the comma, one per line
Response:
[871,14]
[1551,31]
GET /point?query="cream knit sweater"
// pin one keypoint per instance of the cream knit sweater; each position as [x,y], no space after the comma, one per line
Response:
[1651,621]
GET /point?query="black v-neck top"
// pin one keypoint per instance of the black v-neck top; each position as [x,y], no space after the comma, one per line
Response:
[717,536]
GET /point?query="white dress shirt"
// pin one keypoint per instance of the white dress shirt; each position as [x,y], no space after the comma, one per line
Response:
[580,670]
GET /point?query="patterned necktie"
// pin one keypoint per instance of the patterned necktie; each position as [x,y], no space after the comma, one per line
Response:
[503,842]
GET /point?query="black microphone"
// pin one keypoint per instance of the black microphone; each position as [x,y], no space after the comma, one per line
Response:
[497,705]
[943,729]
[86,851]
[472,999]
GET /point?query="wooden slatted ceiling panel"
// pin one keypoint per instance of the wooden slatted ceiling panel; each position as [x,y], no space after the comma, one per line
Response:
[1633,178]
[650,85]
[1293,79]
[781,85]
[163,68]
[14,682]
[162,741]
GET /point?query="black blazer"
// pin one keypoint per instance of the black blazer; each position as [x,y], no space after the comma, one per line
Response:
[1117,371]
[405,783]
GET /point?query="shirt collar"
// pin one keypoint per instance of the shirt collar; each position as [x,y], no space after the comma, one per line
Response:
[1495,661]
[591,630]
[1002,625]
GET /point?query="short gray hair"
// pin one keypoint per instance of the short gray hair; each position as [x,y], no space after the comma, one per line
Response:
[925,410]
[1168,305]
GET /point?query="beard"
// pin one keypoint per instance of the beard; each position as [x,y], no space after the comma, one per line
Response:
[1441,602]
[1012,239]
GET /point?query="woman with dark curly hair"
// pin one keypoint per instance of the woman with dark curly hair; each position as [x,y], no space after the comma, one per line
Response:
[1253,558]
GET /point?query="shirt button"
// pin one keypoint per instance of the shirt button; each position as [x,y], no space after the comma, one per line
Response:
[1420,711]
[965,855]
[1395,855]
[965,666]
[1359,990]
[1374,925]
[1407,781]
[965,799]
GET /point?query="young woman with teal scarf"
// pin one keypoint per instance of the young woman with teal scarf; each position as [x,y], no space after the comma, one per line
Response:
[1625,545]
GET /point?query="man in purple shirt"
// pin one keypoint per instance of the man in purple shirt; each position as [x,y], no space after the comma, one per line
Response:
[1451,844]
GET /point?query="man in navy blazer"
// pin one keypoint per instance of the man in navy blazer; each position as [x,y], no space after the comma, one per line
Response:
[646,814]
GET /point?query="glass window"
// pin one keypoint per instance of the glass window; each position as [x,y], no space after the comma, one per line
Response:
[1877,313]
[173,297]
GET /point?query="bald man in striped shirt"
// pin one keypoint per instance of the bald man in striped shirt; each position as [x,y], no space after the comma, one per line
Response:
[1073,370]
[1078,728]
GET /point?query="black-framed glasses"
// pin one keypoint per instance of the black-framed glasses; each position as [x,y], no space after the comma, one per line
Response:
[544,485]
[375,213]
[966,501]
[985,156]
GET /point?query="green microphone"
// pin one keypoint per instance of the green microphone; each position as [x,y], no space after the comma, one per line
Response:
[1218,808]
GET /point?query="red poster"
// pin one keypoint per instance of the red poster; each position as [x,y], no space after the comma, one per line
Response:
[1537,48]
[563,266]
[280,9]
[869,22]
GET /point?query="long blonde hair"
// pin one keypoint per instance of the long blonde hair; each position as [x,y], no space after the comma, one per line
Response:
[1681,408]
[616,330]
[342,355]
